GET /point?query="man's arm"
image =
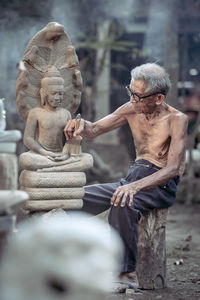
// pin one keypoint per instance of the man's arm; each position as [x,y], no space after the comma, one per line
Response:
[178,133]
[91,130]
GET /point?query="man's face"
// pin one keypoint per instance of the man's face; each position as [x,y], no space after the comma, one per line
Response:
[54,95]
[146,105]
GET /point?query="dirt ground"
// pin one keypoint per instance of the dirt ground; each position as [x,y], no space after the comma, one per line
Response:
[183,243]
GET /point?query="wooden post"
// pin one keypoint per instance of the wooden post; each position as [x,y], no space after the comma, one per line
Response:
[151,263]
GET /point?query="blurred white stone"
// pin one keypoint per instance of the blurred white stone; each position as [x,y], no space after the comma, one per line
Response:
[10,136]
[10,201]
[60,258]
[8,147]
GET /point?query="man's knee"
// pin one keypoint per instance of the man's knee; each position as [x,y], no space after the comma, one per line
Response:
[127,212]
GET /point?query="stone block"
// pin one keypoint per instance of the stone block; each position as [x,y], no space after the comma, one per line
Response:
[47,205]
[52,179]
[54,193]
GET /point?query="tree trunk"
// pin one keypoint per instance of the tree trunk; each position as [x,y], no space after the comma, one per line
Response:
[151,264]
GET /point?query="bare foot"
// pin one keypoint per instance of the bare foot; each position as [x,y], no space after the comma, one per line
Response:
[130,277]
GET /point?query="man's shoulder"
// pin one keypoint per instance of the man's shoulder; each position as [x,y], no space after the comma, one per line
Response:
[178,121]
[176,115]
[125,109]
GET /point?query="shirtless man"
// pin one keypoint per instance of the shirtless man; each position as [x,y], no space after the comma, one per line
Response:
[159,133]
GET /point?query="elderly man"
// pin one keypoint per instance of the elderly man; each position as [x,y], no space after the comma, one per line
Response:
[159,133]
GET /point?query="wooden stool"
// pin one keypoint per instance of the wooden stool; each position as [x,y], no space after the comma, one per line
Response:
[151,262]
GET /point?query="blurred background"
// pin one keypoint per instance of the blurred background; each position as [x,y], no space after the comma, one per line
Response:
[111,37]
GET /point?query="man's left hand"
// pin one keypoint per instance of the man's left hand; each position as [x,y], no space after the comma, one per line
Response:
[122,192]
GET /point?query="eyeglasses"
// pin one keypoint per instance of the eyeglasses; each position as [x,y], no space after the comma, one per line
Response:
[135,96]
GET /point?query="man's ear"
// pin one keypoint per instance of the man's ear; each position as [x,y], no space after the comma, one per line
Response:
[43,96]
[160,98]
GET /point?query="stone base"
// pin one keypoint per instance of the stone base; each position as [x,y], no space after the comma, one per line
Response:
[46,205]
[53,190]
[54,193]
[32,179]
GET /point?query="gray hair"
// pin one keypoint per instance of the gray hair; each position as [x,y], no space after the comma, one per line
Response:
[155,77]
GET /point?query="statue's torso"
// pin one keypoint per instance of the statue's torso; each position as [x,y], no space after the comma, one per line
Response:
[50,127]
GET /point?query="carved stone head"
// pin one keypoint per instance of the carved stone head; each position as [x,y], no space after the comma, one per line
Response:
[52,88]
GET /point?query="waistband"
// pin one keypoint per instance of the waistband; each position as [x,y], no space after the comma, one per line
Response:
[148,164]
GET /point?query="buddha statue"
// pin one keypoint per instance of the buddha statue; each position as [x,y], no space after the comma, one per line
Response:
[43,134]
[48,91]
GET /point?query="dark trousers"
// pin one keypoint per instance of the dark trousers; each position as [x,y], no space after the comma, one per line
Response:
[125,219]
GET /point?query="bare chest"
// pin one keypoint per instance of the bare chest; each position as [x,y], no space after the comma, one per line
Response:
[52,120]
[152,133]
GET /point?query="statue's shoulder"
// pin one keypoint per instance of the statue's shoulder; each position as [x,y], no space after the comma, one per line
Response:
[35,111]
[65,112]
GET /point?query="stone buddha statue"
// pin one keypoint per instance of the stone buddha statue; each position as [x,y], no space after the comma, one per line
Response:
[44,131]
[48,91]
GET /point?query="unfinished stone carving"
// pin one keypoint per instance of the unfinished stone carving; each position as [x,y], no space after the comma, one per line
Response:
[60,258]
[8,159]
[47,92]
[10,199]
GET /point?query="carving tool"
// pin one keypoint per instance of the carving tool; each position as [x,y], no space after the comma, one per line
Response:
[74,144]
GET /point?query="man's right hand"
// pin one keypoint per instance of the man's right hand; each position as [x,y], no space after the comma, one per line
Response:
[69,129]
